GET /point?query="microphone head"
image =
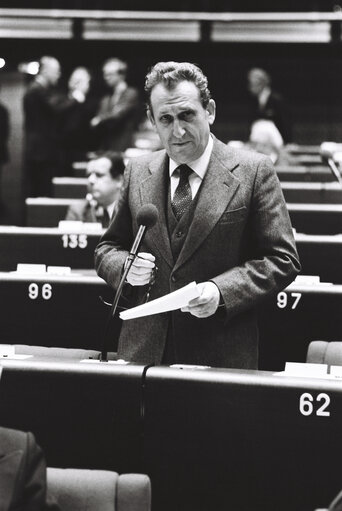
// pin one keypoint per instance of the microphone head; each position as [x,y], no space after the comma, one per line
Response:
[147,215]
[327,150]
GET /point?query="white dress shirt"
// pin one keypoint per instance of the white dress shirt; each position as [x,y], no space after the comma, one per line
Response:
[199,168]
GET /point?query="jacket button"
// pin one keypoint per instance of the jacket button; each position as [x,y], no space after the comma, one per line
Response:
[173,278]
[179,234]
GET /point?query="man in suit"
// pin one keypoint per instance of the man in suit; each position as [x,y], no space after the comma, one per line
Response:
[105,178]
[268,104]
[4,134]
[116,118]
[222,222]
[22,473]
[43,106]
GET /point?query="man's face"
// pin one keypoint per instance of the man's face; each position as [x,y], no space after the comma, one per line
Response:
[103,187]
[256,83]
[181,121]
[111,74]
[79,80]
[52,72]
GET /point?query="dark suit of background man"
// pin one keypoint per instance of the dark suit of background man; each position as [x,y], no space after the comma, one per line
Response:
[22,473]
[43,106]
[4,134]
[117,116]
[234,237]
[105,178]
[268,104]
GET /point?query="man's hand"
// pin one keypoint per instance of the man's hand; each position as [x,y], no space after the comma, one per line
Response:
[206,304]
[95,121]
[141,269]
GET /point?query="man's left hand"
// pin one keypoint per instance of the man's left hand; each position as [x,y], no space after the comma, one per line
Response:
[206,304]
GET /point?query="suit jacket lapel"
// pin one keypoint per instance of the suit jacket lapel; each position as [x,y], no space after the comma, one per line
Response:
[153,190]
[217,190]
[9,468]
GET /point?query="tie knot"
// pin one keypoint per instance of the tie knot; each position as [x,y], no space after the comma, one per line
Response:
[184,172]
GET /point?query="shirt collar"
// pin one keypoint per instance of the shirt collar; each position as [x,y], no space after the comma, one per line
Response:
[198,166]
[111,208]
[264,95]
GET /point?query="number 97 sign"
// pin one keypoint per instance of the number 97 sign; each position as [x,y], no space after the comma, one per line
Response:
[288,300]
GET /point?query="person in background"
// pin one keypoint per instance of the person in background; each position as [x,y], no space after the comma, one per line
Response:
[44,103]
[105,178]
[22,473]
[223,223]
[266,103]
[118,112]
[75,119]
[4,135]
[265,138]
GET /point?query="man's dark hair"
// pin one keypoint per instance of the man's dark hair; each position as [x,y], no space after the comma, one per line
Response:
[117,162]
[171,73]
[118,165]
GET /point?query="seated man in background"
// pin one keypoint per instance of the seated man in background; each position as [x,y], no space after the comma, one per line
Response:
[22,473]
[265,138]
[105,177]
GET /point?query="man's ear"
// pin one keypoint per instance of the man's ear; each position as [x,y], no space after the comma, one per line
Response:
[150,117]
[211,109]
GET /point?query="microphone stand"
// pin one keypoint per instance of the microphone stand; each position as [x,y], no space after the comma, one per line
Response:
[127,267]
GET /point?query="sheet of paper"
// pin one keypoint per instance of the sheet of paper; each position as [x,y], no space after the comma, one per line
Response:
[170,302]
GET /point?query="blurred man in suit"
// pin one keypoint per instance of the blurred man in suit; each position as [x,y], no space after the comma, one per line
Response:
[105,177]
[117,116]
[268,104]
[4,134]
[74,121]
[22,473]
[43,105]
[223,223]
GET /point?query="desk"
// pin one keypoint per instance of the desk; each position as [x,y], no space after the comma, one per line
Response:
[83,415]
[46,212]
[228,440]
[294,318]
[321,255]
[316,218]
[48,310]
[50,246]
[323,193]
[69,187]
[301,173]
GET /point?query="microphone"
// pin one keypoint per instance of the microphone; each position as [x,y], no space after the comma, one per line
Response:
[147,217]
[328,151]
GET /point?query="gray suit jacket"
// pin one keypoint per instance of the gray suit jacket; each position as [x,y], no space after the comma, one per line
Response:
[240,238]
[22,473]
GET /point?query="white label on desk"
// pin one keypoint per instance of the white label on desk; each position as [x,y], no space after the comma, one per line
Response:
[336,371]
[300,369]
[31,268]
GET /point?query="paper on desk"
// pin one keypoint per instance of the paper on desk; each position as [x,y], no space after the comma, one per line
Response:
[170,302]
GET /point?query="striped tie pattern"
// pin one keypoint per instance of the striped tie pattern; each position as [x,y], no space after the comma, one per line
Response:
[182,197]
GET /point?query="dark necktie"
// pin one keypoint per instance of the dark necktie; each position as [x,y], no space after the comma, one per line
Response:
[102,216]
[182,197]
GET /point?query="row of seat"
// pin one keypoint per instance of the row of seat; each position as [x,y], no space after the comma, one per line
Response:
[208,438]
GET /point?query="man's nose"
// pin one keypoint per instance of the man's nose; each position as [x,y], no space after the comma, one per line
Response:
[91,178]
[178,130]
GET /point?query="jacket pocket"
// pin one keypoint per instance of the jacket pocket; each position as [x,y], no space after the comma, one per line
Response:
[233,216]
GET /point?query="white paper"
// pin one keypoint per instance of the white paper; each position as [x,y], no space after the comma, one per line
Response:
[170,302]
